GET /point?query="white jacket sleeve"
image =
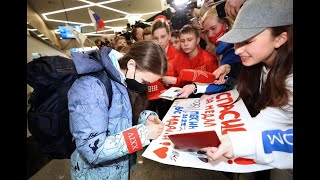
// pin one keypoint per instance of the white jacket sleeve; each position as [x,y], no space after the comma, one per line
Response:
[270,147]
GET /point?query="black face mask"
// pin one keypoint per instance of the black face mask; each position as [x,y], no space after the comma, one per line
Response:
[135,85]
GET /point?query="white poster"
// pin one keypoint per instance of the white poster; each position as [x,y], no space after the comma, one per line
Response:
[212,112]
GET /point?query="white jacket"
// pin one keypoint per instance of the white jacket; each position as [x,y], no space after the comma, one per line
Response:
[268,144]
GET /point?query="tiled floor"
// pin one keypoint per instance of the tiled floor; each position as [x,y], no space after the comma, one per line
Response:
[148,170]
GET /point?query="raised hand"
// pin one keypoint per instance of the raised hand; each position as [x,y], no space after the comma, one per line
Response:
[154,127]
[232,7]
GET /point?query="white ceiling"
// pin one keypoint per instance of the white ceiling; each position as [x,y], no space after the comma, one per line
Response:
[113,12]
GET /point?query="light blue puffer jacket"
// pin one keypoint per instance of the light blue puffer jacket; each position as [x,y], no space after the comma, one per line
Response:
[101,151]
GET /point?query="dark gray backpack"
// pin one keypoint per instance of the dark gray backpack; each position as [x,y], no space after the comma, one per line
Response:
[48,117]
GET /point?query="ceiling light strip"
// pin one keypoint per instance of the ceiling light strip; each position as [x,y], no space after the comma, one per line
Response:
[65,10]
[93,34]
[70,22]
[32,29]
[105,7]
[112,9]
[103,2]
[89,4]
[90,24]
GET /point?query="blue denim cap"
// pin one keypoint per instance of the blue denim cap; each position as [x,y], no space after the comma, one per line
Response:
[257,15]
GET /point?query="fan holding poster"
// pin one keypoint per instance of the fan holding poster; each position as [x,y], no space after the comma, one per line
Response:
[266,88]
[210,113]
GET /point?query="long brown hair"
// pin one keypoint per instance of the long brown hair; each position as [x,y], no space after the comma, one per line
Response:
[273,92]
[150,57]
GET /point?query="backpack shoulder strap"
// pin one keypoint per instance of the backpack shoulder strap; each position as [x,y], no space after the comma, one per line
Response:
[104,76]
[97,57]
[105,79]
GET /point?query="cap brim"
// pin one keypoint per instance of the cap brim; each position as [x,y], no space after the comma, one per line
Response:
[239,35]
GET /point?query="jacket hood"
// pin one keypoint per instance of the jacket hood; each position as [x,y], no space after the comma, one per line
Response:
[93,61]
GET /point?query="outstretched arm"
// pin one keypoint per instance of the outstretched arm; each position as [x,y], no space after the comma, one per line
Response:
[269,147]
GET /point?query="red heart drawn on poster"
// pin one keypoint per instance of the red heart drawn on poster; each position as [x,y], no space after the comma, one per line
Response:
[242,161]
[161,152]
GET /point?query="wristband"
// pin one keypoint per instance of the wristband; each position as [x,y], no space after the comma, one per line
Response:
[132,140]
[195,88]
